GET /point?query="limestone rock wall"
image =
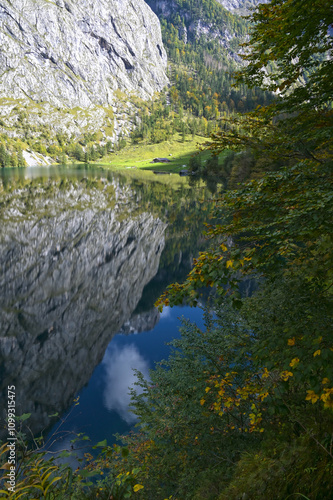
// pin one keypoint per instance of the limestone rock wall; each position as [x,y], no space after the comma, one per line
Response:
[79,52]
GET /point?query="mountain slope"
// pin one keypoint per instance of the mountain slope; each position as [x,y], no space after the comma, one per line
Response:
[202,40]
[206,19]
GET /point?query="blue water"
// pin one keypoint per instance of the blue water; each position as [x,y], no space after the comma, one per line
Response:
[103,408]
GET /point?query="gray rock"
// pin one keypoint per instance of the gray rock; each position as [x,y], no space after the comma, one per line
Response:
[141,322]
[32,158]
[78,53]
[242,7]
[72,271]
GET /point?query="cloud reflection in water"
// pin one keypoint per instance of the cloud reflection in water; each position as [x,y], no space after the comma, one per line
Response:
[119,364]
[166,313]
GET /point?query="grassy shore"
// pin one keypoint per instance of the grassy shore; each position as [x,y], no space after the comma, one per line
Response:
[141,155]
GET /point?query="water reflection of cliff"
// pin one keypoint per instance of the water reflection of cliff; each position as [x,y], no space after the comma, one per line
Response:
[73,264]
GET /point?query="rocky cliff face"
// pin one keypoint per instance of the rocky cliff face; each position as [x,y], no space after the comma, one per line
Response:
[241,7]
[77,53]
[64,64]
[73,267]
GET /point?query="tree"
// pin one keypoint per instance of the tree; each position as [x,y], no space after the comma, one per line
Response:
[279,229]
[62,159]
[212,165]
[195,163]
[78,153]
[289,51]
[236,393]
[4,156]
[286,216]
[180,436]
[20,158]
[282,224]
[92,153]
[14,159]
[86,157]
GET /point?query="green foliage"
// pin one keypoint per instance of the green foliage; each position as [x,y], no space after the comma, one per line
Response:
[195,163]
[122,143]
[279,227]
[11,154]
[201,91]
[4,157]
[297,37]
[229,412]
[39,476]
[288,52]
[180,439]
[201,77]
[283,221]
[282,470]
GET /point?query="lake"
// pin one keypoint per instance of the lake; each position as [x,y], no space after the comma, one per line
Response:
[84,254]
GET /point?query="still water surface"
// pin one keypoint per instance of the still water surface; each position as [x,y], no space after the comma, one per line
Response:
[84,254]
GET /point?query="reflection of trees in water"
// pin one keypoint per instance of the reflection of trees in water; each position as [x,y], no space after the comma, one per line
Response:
[186,211]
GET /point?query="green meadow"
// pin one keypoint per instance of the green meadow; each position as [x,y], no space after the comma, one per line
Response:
[141,155]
